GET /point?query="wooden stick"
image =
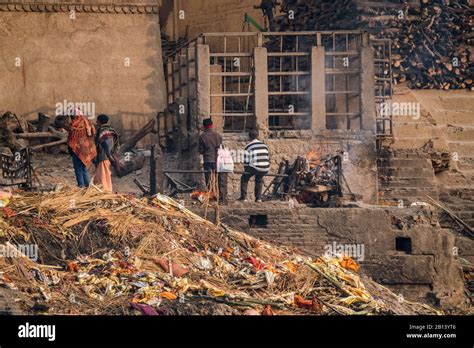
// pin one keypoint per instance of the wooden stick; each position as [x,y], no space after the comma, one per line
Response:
[54,143]
[38,135]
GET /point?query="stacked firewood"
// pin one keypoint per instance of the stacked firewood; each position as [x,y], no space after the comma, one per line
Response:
[431,43]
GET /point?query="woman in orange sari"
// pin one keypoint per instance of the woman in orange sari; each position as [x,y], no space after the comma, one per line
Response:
[81,146]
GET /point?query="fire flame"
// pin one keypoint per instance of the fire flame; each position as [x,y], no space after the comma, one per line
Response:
[313,158]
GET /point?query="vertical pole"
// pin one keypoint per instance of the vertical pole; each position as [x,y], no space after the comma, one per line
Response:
[318,89]
[156,170]
[217,105]
[153,188]
[192,81]
[175,20]
[173,82]
[261,87]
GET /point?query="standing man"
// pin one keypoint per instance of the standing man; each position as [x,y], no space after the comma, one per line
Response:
[267,7]
[106,142]
[256,163]
[81,146]
[209,143]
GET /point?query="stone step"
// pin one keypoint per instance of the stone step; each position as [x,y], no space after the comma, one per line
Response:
[407,153]
[413,130]
[406,162]
[407,173]
[464,133]
[448,223]
[462,148]
[465,164]
[459,192]
[408,143]
[458,205]
[409,192]
[465,215]
[449,100]
[396,183]
[458,197]
[459,180]
[457,117]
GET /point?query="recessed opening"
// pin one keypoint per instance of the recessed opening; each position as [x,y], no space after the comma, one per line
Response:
[258,221]
[403,244]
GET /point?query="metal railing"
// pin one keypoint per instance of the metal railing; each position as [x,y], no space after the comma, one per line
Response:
[289,75]
[232,73]
[343,82]
[289,79]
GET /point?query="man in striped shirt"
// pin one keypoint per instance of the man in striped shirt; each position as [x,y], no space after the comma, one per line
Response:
[256,163]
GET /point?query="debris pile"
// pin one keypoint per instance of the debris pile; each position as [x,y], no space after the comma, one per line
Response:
[103,253]
[431,44]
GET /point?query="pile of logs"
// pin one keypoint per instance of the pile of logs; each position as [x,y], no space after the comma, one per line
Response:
[431,43]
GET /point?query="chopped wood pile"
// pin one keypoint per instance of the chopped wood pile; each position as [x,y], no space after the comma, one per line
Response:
[431,44]
[103,253]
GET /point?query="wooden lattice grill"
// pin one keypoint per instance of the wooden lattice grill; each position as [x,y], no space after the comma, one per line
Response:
[16,169]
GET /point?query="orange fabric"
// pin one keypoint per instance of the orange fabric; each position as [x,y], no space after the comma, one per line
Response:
[168,295]
[307,304]
[349,263]
[81,139]
[103,175]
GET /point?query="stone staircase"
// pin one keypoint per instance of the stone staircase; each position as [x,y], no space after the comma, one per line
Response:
[447,119]
[453,114]
[461,202]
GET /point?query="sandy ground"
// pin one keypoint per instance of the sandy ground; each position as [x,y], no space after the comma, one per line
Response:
[58,169]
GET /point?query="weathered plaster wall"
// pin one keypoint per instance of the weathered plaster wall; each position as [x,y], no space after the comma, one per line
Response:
[201,16]
[83,60]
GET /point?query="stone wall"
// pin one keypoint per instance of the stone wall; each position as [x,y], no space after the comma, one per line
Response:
[428,270]
[110,55]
